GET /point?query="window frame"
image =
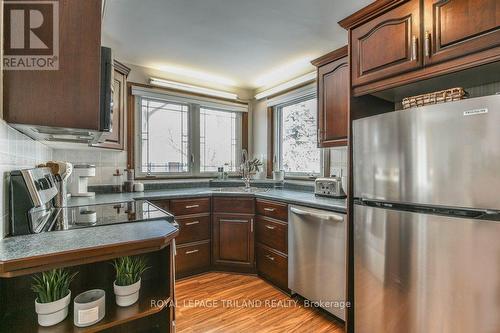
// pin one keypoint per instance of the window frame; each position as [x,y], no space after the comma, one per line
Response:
[194,156]
[278,140]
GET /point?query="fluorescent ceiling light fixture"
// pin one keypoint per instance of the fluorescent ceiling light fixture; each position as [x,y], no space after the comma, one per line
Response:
[196,74]
[190,88]
[285,72]
[287,85]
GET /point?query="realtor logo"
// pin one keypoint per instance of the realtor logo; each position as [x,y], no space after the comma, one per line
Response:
[31,36]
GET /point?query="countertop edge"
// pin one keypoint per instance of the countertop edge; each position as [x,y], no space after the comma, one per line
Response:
[33,264]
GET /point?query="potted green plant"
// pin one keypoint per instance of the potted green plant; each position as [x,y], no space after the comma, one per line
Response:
[53,295]
[128,279]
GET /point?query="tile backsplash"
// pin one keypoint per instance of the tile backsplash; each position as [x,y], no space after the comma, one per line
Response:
[17,151]
[106,162]
[338,161]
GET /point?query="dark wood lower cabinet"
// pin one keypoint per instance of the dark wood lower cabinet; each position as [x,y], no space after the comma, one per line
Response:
[223,233]
[272,233]
[192,258]
[273,266]
[233,241]
[194,228]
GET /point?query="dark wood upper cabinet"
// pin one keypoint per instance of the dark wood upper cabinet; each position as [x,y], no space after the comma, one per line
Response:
[454,28]
[397,42]
[115,139]
[70,96]
[333,98]
[387,45]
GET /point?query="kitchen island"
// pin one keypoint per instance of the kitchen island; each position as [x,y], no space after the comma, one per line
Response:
[90,251]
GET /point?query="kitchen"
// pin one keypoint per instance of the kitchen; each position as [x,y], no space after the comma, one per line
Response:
[228,166]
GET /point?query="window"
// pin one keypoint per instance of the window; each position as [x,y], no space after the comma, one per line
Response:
[180,137]
[219,142]
[296,141]
[164,137]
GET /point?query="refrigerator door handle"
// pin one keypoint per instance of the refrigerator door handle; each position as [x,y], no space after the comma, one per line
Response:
[334,217]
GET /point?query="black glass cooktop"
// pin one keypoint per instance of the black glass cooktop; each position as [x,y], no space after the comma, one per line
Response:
[97,215]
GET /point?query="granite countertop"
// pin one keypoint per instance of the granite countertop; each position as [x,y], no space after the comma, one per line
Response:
[14,249]
[283,195]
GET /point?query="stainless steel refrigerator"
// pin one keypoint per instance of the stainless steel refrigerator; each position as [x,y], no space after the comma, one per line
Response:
[427,219]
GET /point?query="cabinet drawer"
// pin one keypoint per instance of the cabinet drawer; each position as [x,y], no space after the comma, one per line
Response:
[180,207]
[272,266]
[272,209]
[192,258]
[163,204]
[193,229]
[234,205]
[272,233]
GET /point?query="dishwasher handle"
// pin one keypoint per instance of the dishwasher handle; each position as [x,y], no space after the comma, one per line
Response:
[334,217]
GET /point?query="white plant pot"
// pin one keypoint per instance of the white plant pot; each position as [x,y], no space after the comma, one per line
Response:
[127,295]
[54,312]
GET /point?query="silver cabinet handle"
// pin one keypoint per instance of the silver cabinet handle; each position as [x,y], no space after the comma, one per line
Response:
[269,257]
[192,206]
[414,47]
[270,227]
[235,221]
[334,217]
[192,251]
[251,225]
[269,209]
[427,44]
[192,223]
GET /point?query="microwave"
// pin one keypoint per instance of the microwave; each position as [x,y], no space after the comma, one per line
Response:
[53,135]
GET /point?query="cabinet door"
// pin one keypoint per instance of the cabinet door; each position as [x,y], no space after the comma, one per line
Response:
[455,28]
[387,45]
[333,95]
[234,240]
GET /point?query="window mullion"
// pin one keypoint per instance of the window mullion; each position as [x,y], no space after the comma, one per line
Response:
[195,138]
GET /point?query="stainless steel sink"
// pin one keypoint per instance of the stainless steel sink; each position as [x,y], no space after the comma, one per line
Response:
[240,189]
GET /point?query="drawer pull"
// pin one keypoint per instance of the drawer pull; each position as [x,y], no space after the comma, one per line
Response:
[414,48]
[234,221]
[269,209]
[269,257]
[192,251]
[192,223]
[192,206]
[270,227]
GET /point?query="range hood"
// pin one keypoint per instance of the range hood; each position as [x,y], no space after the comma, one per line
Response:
[57,134]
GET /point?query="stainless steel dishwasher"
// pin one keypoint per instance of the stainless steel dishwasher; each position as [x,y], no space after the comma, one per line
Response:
[316,257]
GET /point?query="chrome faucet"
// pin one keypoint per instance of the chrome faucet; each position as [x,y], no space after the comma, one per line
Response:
[245,168]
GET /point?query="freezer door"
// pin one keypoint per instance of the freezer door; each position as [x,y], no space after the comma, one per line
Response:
[446,154]
[418,273]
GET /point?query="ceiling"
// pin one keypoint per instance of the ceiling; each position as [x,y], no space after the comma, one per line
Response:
[242,43]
